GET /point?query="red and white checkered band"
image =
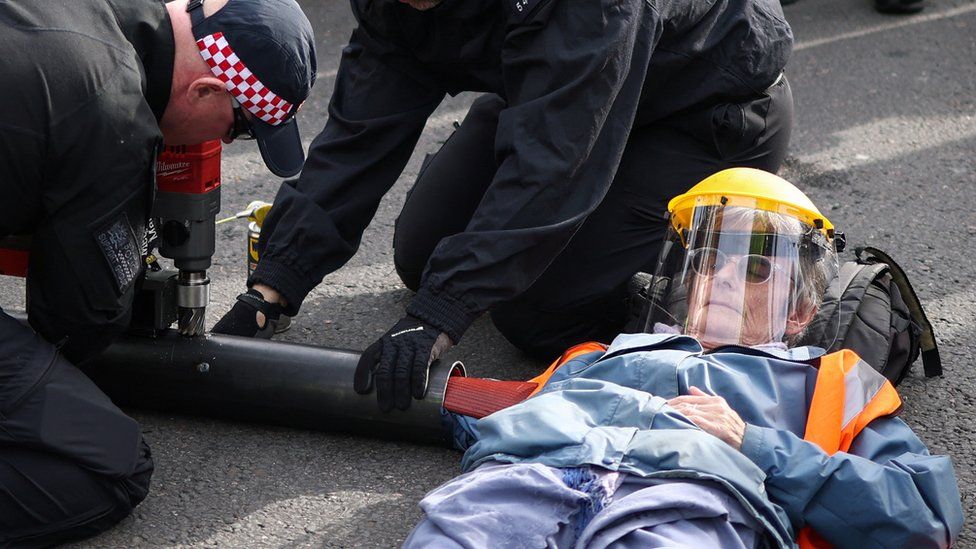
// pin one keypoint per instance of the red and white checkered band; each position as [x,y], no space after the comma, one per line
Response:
[247,89]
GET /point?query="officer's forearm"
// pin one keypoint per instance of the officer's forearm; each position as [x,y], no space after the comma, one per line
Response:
[270,294]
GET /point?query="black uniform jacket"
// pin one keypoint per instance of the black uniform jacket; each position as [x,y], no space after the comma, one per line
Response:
[577,75]
[83,84]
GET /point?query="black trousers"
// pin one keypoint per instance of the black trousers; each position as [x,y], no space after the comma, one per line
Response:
[582,295]
[71,463]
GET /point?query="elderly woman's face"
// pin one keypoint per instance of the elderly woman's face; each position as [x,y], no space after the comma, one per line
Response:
[732,306]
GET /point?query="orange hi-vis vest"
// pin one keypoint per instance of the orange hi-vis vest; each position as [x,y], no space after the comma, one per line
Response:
[848,395]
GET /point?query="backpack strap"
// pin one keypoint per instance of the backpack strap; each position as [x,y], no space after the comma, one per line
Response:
[931,361]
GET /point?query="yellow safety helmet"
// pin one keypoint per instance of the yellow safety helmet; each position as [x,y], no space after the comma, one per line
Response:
[750,188]
[746,262]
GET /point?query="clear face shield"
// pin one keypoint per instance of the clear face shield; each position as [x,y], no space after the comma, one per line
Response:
[736,275]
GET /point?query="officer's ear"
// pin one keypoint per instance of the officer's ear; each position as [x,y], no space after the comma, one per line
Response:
[204,90]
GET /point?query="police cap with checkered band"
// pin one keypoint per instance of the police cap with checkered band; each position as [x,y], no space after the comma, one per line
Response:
[264,52]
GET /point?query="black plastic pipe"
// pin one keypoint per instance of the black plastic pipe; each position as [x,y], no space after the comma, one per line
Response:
[259,380]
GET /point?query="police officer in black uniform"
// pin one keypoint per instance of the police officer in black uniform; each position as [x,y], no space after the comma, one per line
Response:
[91,88]
[551,195]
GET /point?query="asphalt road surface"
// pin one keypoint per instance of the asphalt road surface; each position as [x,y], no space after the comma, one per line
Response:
[885,143]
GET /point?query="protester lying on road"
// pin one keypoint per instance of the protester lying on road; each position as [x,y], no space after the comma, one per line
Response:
[713,431]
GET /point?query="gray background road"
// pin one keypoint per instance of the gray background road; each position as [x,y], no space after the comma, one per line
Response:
[885,143]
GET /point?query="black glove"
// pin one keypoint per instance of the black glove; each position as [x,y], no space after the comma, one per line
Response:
[241,319]
[398,362]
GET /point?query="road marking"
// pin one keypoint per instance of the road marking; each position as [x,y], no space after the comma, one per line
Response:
[889,138]
[915,20]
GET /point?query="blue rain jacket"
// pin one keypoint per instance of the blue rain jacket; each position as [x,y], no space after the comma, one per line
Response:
[609,410]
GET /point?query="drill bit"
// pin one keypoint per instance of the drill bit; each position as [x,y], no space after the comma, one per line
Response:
[191,321]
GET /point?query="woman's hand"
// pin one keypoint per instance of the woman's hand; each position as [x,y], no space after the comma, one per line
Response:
[712,414]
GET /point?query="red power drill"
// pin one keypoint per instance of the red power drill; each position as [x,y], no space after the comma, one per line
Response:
[186,205]
[185,208]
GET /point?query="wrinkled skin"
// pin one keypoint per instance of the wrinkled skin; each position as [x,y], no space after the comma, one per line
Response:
[712,414]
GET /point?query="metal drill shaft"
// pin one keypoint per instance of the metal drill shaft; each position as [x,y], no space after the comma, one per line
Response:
[192,297]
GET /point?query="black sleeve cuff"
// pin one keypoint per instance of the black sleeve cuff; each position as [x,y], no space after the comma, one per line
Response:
[443,312]
[285,280]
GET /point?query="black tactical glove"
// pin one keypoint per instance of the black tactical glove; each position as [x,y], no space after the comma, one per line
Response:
[398,362]
[241,319]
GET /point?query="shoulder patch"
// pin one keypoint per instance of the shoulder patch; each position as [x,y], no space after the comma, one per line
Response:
[118,244]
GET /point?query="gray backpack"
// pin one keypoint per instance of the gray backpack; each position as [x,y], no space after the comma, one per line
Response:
[874,311]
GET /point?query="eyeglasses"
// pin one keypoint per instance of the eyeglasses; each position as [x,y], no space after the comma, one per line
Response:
[242,126]
[753,268]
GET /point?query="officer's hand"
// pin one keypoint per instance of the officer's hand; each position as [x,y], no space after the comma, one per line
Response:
[712,414]
[242,319]
[397,363]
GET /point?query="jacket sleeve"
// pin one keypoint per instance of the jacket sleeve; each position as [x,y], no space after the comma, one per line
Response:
[573,72]
[888,491]
[376,116]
